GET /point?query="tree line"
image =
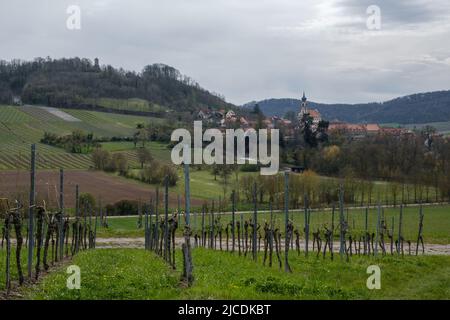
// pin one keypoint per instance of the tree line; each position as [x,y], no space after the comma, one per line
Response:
[70,82]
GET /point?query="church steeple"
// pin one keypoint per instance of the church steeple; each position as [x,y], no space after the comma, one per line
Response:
[303,107]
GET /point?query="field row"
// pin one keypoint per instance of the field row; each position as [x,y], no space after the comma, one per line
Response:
[22,126]
[45,161]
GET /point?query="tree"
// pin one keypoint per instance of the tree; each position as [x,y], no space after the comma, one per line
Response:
[144,156]
[87,201]
[141,135]
[118,163]
[291,115]
[100,158]
[259,117]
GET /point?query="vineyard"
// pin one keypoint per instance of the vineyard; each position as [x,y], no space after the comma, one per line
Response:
[292,253]
[21,126]
[290,236]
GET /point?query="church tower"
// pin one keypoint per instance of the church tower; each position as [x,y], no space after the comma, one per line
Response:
[303,106]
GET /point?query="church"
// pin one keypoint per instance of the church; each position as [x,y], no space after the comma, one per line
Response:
[313,113]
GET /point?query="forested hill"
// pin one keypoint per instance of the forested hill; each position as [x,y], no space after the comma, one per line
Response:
[416,108]
[71,82]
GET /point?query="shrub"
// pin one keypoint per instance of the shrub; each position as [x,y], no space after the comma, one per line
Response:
[249,167]
[87,200]
[122,208]
[157,171]
[117,163]
[101,159]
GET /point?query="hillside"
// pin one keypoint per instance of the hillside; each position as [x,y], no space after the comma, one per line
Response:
[22,126]
[412,109]
[81,83]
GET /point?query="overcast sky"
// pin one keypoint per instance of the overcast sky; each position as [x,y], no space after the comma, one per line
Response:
[250,49]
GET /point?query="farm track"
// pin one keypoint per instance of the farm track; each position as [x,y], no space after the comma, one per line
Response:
[105,243]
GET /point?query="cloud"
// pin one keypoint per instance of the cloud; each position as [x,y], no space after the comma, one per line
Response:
[251,49]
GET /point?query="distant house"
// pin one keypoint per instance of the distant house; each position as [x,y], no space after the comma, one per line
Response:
[395,131]
[268,124]
[315,114]
[202,115]
[373,128]
[244,122]
[365,129]
[16,100]
[210,116]
[230,115]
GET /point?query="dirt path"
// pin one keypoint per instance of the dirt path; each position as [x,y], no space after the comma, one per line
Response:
[430,249]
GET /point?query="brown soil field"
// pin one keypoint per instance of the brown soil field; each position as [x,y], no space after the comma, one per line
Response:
[16,185]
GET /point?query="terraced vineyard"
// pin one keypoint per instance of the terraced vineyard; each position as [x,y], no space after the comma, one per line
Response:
[22,126]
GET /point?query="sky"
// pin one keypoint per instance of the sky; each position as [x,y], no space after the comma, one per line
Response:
[250,49]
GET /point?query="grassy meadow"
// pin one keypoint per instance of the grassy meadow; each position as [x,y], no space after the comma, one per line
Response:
[136,274]
[127,104]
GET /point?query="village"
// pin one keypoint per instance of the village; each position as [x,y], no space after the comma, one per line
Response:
[231,119]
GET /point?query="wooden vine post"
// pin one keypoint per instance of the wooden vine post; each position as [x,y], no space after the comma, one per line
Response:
[186,247]
[341,223]
[77,217]
[95,228]
[146,230]
[203,238]
[378,229]
[179,208]
[31,211]
[61,216]
[166,218]
[152,231]
[306,225]
[287,268]
[420,235]
[233,219]
[332,229]
[211,227]
[17,221]
[400,235]
[8,251]
[157,221]
[255,224]
[366,232]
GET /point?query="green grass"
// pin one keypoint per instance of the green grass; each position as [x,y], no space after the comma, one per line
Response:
[137,274]
[127,104]
[14,273]
[113,274]
[120,227]
[158,150]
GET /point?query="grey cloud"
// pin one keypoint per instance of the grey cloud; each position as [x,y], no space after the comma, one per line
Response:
[251,49]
